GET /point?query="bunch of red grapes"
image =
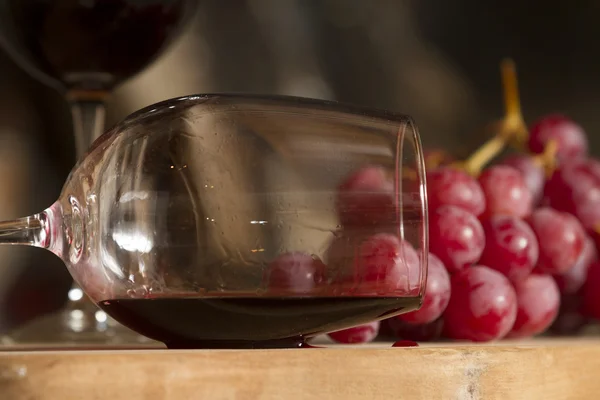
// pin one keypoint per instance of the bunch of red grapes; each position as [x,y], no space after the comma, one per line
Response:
[513,249]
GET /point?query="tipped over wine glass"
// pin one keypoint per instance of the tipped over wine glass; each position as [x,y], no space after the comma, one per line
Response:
[234,221]
[84,49]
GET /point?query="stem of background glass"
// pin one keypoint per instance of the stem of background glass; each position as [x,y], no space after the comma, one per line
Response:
[88,113]
[88,123]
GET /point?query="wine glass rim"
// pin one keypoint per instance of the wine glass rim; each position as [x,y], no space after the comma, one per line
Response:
[322,104]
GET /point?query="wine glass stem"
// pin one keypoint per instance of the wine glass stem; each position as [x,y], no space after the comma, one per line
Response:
[88,123]
[34,230]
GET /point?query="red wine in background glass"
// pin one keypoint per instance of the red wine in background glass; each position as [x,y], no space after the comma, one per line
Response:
[89,45]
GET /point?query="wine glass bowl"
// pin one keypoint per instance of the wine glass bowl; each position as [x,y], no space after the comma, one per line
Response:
[235,221]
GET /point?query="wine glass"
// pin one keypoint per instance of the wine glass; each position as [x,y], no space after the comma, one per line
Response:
[238,221]
[84,48]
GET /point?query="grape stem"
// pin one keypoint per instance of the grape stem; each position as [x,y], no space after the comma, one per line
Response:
[547,159]
[490,149]
[512,128]
[434,160]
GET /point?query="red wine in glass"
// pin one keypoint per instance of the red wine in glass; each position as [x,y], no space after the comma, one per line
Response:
[84,48]
[187,322]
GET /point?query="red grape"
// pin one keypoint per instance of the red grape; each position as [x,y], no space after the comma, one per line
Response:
[358,334]
[505,192]
[570,137]
[595,236]
[561,240]
[538,300]
[533,174]
[575,188]
[570,320]
[571,281]
[387,265]
[591,292]
[483,305]
[421,333]
[456,237]
[437,294]
[451,186]
[366,198]
[510,246]
[376,264]
[296,273]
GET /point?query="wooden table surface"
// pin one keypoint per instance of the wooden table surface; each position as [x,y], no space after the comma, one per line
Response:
[549,370]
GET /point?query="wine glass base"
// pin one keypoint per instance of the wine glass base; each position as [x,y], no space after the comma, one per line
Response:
[74,327]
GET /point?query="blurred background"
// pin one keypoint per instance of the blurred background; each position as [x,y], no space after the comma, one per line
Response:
[435,60]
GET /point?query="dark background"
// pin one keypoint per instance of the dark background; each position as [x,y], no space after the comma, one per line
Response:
[436,60]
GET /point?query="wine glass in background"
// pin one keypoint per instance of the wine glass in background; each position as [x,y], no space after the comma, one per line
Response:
[84,48]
